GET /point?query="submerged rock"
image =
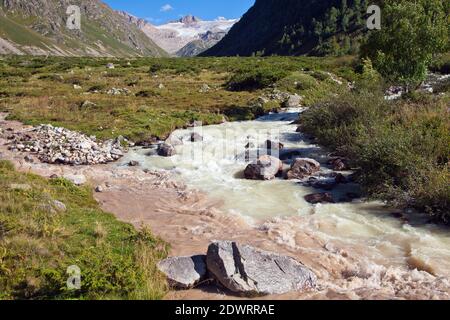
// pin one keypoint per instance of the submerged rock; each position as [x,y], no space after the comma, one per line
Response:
[303,167]
[250,271]
[184,272]
[265,168]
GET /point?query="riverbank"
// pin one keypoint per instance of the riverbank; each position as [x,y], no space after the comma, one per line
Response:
[189,220]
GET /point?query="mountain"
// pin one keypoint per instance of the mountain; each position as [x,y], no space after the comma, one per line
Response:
[175,35]
[296,27]
[38,27]
[203,43]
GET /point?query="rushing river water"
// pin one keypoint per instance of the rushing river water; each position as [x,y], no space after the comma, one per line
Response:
[368,228]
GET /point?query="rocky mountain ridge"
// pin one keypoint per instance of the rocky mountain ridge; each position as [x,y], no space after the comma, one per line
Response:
[38,27]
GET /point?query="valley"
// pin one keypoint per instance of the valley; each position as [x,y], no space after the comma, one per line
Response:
[284,153]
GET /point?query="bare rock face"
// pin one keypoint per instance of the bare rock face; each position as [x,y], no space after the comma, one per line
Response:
[265,168]
[166,150]
[303,167]
[250,271]
[184,272]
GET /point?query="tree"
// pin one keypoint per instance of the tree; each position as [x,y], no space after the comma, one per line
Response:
[410,35]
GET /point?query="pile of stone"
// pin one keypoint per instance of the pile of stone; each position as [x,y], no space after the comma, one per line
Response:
[241,269]
[118,91]
[59,145]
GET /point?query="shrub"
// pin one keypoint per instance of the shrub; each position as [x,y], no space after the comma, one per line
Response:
[248,80]
[401,149]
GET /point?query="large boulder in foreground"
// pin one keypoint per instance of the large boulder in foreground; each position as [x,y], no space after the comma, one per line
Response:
[303,167]
[250,271]
[265,168]
[184,272]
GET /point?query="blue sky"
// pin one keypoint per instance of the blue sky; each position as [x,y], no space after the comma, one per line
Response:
[161,11]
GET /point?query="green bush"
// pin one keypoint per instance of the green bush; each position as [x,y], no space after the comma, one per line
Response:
[401,149]
[254,79]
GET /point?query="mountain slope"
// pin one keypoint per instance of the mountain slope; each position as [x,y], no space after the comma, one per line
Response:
[295,27]
[38,27]
[203,43]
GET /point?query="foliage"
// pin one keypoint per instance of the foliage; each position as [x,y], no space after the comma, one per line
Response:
[248,79]
[401,149]
[411,33]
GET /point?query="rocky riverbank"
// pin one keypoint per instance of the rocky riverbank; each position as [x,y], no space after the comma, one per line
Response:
[190,221]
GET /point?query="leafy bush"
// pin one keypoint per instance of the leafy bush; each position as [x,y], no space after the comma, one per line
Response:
[412,33]
[254,79]
[401,149]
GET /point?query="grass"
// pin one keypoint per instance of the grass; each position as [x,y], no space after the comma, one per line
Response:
[38,243]
[401,149]
[39,90]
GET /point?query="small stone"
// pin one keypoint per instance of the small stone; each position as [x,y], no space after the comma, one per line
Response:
[77,179]
[133,163]
[59,206]
[99,189]
[28,159]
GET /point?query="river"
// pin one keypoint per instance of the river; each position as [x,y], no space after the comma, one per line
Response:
[368,229]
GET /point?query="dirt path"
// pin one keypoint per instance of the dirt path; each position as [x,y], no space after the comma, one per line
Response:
[188,220]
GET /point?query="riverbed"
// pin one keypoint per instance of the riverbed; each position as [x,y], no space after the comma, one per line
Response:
[368,228]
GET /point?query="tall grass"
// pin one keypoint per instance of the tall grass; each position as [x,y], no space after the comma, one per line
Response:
[38,243]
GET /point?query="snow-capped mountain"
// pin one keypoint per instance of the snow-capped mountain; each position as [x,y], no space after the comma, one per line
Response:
[175,35]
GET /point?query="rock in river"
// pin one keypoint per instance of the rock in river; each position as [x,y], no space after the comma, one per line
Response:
[303,167]
[250,271]
[184,272]
[265,168]
[166,150]
[320,198]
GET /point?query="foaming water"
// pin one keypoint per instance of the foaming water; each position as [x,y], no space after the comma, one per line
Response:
[367,229]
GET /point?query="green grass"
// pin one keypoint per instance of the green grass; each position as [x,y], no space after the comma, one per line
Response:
[33,91]
[38,244]
[401,149]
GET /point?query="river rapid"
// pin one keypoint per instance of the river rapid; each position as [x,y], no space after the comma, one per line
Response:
[367,230]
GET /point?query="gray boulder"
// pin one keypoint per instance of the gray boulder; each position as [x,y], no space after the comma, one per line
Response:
[174,140]
[293,101]
[265,168]
[166,150]
[250,271]
[184,272]
[303,167]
